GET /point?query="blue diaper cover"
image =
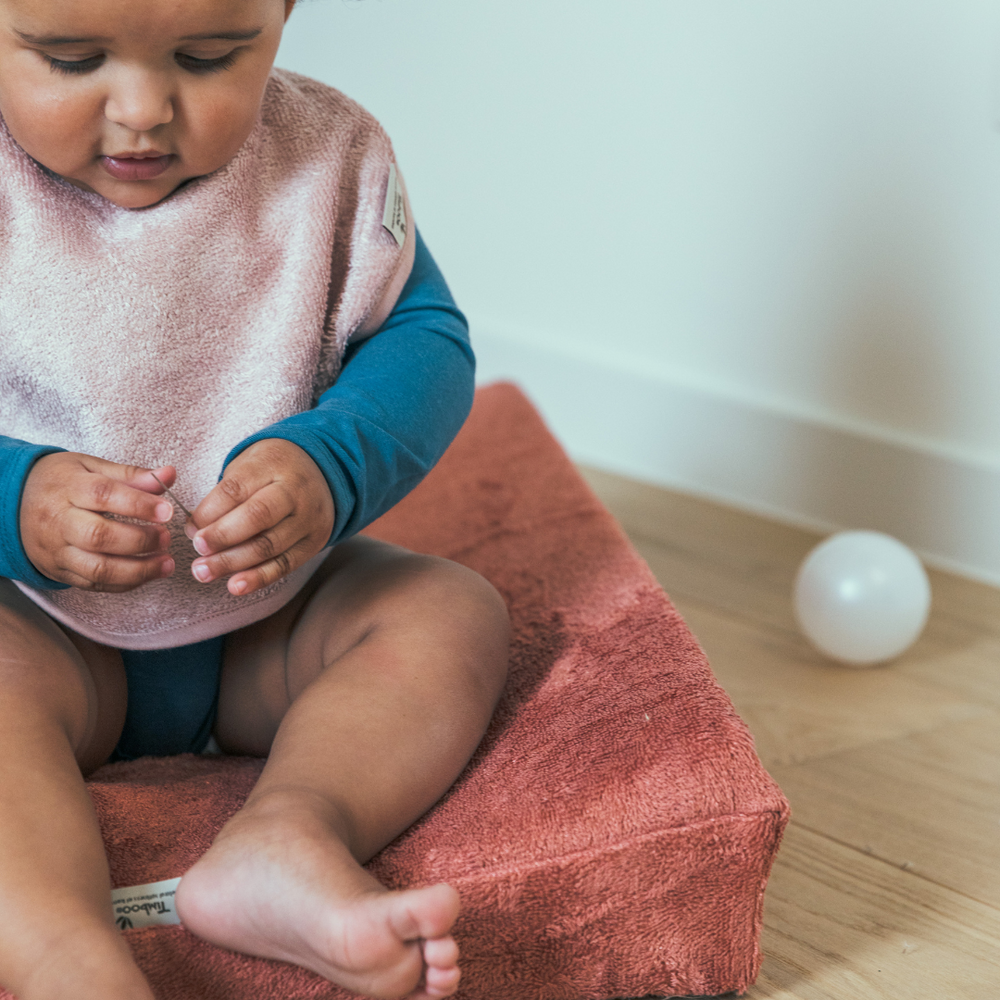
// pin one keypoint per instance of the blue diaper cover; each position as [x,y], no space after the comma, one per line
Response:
[173,697]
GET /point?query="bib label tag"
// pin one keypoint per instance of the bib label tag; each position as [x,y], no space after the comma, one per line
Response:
[394,216]
[145,905]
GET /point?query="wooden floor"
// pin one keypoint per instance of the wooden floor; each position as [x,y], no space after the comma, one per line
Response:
[888,881]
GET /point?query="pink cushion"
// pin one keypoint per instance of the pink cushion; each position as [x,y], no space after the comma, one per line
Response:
[612,835]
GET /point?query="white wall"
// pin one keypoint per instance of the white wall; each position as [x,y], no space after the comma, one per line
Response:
[746,247]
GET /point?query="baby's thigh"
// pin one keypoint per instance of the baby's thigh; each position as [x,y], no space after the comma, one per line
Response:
[415,607]
[50,676]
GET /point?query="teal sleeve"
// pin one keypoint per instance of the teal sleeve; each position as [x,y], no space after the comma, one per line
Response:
[16,460]
[402,396]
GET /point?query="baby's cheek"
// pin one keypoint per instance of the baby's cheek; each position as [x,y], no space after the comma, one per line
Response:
[218,128]
[56,129]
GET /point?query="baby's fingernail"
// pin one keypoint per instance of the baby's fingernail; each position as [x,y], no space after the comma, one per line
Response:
[190,529]
[239,586]
[201,572]
[167,568]
[164,512]
[201,546]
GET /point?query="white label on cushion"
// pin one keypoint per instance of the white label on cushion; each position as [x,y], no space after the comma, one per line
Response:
[145,905]
[394,216]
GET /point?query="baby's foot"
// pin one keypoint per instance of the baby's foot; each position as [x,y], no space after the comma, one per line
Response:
[278,883]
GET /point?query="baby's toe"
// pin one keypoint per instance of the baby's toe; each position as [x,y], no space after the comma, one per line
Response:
[441,953]
[424,913]
[442,982]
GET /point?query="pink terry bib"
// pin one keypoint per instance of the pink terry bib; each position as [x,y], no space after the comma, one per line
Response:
[166,335]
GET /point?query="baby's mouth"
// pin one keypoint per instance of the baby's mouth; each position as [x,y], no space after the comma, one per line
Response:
[136,168]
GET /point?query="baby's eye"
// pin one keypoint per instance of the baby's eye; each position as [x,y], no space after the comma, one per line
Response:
[73,66]
[194,65]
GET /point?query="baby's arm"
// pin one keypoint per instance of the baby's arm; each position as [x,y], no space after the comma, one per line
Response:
[401,398]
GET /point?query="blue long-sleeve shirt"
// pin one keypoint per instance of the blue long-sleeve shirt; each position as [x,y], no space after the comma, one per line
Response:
[401,398]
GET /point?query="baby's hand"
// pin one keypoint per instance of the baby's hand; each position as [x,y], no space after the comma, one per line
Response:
[270,513]
[67,539]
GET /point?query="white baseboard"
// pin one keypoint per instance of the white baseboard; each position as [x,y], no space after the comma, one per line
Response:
[796,468]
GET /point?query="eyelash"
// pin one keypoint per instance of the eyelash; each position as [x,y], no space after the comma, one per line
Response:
[190,63]
[74,67]
[194,65]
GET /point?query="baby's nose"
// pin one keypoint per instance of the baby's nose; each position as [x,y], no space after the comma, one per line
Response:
[140,102]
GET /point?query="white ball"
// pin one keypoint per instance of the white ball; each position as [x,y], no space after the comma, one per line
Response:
[862,597]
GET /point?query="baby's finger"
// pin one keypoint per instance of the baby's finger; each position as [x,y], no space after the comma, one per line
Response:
[155,480]
[91,532]
[112,574]
[256,515]
[239,483]
[101,493]
[262,548]
[132,475]
[271,571]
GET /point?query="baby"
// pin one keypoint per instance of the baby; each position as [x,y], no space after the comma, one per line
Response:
[210,284]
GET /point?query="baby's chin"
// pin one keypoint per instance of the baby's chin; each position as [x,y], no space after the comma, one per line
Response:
[128,194]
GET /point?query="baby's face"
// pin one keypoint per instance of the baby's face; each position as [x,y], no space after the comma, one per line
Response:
[129,98]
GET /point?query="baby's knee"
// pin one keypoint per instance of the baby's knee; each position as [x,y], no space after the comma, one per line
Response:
[463,592]
[73,685]
[27,635]
[467,607]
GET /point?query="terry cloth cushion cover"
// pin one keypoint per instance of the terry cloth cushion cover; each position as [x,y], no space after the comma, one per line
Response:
[613,833]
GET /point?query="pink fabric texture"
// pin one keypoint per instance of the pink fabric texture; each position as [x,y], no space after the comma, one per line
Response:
[612,835]
[166,335]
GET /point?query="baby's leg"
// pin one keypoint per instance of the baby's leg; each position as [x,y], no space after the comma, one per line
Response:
[376,689]
[62,705]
